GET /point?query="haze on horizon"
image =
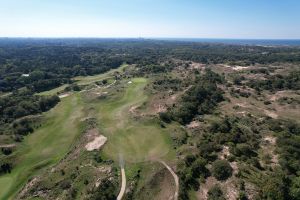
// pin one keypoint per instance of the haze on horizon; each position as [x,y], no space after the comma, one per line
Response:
[244,19]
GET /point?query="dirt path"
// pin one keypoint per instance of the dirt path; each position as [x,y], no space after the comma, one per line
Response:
[123,186]
[176,179]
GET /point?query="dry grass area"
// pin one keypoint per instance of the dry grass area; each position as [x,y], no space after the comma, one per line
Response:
[255,105]
[229,187]
[158,185]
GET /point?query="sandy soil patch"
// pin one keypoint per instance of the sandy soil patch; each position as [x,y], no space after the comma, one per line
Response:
[234,167]
[271,114]
[197,66]
[132,109]
[242,105]
[280,94]
[103,169]
[277,95]
[230,189]
[224,153]
[204,188]
[193,124]
[236,68]
[160,108]
[240,68]
[268,146]
[27,187]
[270,139]
[251,191]
[8,146]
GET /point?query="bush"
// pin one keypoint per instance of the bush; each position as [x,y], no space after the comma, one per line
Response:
[106,191]
[242,196]
[165,117]
[275,187]
[215,193]
[245,150]
[221,169]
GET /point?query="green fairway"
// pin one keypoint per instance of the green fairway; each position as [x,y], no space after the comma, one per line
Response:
[45,146]
[134,140]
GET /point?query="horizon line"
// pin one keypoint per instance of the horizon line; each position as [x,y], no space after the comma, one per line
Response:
[172,38]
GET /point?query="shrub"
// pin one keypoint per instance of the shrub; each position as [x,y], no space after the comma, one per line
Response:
[215,193]
[221,169]
[244,149]
[164,116]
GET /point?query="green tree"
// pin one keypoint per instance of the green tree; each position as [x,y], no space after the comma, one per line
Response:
[221,169]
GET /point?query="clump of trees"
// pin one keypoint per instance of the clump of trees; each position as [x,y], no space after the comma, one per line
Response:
[277,82]
[23,103]
[221,169]
[193,168]
[106,191]
[15,107]
[200,99]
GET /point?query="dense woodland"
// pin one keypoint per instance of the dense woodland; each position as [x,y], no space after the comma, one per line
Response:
[52,62]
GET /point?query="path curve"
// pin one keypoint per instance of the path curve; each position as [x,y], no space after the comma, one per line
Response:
[176,179]
[123,186]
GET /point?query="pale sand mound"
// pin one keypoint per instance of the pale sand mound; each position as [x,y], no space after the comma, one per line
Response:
[64,95]
[97,143]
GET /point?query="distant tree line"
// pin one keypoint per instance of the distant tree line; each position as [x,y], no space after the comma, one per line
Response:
[50,63]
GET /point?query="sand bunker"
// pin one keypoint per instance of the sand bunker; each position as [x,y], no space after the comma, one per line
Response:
[96,144]
[64,95]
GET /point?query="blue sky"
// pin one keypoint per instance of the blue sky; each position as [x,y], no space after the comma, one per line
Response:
[257,19]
